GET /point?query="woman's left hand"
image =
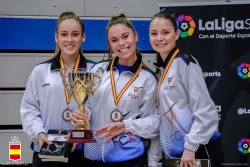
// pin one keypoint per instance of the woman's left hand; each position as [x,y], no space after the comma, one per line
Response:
[110,130]
[188,159]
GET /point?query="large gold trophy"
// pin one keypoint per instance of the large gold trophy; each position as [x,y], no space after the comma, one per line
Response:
[82,86]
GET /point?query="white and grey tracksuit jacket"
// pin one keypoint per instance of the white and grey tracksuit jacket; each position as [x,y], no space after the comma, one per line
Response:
[138,104]
[44,99]
[188,114]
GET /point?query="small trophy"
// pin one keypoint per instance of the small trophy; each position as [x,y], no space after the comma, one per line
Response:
[82,86]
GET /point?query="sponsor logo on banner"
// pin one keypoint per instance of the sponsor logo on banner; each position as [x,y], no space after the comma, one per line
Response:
[186,25]
[244,146]
[211,74]
[244,71]
[15,149]
[226,24]
[242,111]
[218,109]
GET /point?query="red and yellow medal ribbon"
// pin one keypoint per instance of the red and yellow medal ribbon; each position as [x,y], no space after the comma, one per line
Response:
[117,98]
[165,73]
[75,70]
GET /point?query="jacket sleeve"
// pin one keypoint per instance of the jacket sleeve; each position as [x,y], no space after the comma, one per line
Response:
[30,110]
[146,126]
[204,111]
[154,152]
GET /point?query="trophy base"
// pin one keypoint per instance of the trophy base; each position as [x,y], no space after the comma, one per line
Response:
[81,141]
[81,136]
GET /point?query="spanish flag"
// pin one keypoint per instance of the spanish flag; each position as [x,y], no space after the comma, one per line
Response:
[15,152]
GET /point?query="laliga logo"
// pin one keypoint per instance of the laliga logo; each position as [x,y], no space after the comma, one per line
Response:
[244,146]
[15,149]
[185,25]
[242,111]
[223,24]
[244,70]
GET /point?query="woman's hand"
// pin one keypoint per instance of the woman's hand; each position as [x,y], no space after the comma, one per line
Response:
[188,159]
[78,117]
[110,130]
[42,138]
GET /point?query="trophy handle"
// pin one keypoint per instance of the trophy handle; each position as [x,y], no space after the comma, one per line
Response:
[64,76]
[97,79]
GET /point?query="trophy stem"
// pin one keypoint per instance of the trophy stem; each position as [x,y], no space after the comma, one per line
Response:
[84,125]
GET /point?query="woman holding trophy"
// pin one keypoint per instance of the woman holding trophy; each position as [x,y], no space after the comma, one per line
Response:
[122,112]
[46,104]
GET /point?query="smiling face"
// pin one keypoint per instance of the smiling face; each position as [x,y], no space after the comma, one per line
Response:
[69,37]
[163,36]
[122,40]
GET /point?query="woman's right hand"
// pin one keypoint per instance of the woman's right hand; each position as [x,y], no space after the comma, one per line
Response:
[78,117]
[42,138]
[188,159]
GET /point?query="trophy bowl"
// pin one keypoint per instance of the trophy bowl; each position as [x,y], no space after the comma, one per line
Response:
[81,85]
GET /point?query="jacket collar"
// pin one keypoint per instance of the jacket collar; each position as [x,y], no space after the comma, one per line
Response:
[134,67]
[162,64]
[55,62]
